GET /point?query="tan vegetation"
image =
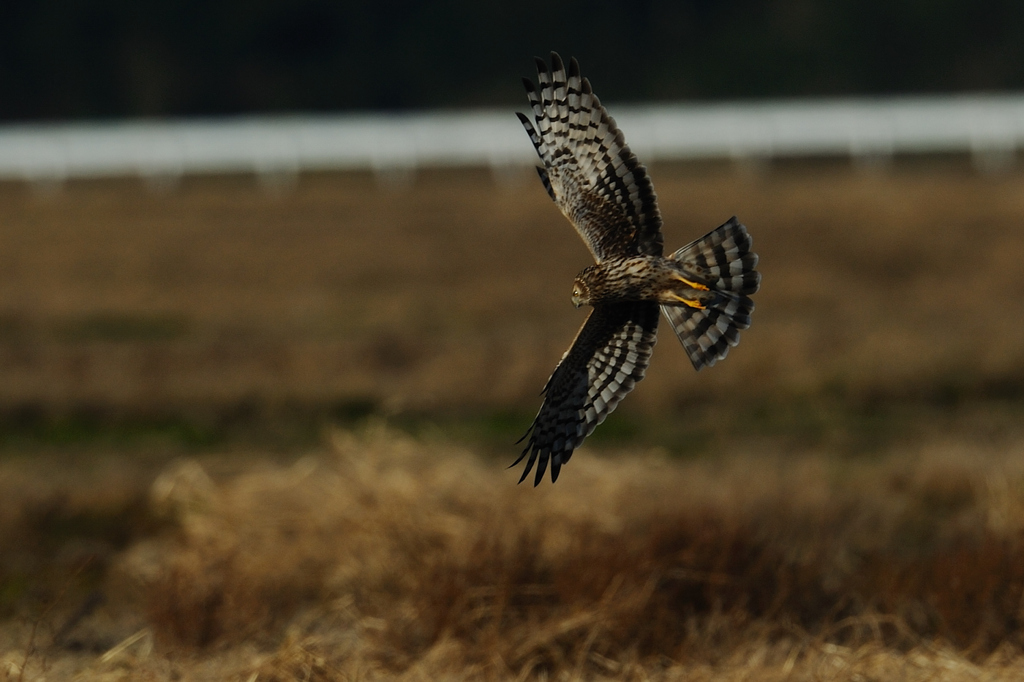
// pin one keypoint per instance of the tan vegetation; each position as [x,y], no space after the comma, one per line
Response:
[452,293]
[388,556]
[841,499]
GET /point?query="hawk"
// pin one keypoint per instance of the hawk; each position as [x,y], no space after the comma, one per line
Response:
[703,289]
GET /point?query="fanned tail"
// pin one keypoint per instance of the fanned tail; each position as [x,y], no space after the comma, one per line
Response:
[723,260]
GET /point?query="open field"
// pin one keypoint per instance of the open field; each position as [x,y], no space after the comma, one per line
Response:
[259,433]
[384,556]
[452,294]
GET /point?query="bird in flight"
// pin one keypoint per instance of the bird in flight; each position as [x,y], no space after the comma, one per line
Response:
[703,289]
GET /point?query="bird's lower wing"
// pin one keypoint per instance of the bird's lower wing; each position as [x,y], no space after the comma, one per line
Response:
[610,354]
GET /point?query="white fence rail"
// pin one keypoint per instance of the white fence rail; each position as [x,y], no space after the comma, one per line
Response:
[991,128]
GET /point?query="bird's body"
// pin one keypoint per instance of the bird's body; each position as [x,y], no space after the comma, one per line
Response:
[703,289]
[640,278]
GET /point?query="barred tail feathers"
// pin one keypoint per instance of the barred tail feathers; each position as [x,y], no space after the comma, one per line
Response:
[723,260]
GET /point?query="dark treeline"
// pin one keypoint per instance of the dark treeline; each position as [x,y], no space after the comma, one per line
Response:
[64,59]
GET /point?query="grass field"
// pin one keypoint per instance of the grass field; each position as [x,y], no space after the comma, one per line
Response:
[252,433]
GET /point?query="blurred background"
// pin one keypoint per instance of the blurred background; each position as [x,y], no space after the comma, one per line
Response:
[227,229]
[63,59]
[214,213]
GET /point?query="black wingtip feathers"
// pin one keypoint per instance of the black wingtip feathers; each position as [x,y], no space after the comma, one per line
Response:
[556,63]
[542,466]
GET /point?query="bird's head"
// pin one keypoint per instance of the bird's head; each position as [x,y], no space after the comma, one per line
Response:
[580,292]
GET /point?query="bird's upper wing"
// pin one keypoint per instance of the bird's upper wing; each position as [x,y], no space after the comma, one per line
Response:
[610,354]
[589,170]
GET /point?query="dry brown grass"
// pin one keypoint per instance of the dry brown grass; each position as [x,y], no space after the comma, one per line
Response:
[452,293]
[385,556]
[855,513]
